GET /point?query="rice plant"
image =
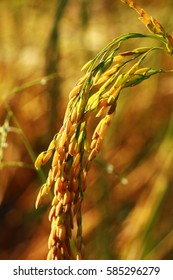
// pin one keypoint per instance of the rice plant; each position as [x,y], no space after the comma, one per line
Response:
[72,150]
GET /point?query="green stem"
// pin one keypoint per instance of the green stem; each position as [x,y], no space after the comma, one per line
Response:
[25,141]
[41,81]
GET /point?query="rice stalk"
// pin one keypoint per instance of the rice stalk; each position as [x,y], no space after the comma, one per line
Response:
[72,150]
[5,129]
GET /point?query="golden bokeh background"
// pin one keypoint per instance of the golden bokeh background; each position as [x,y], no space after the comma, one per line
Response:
[54,39]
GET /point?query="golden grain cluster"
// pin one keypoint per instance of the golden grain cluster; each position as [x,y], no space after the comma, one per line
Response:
[72,149]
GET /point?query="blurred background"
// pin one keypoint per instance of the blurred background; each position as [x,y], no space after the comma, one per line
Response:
[43,45]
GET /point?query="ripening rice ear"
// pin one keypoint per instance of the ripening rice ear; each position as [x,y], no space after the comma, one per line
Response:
[72,150]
